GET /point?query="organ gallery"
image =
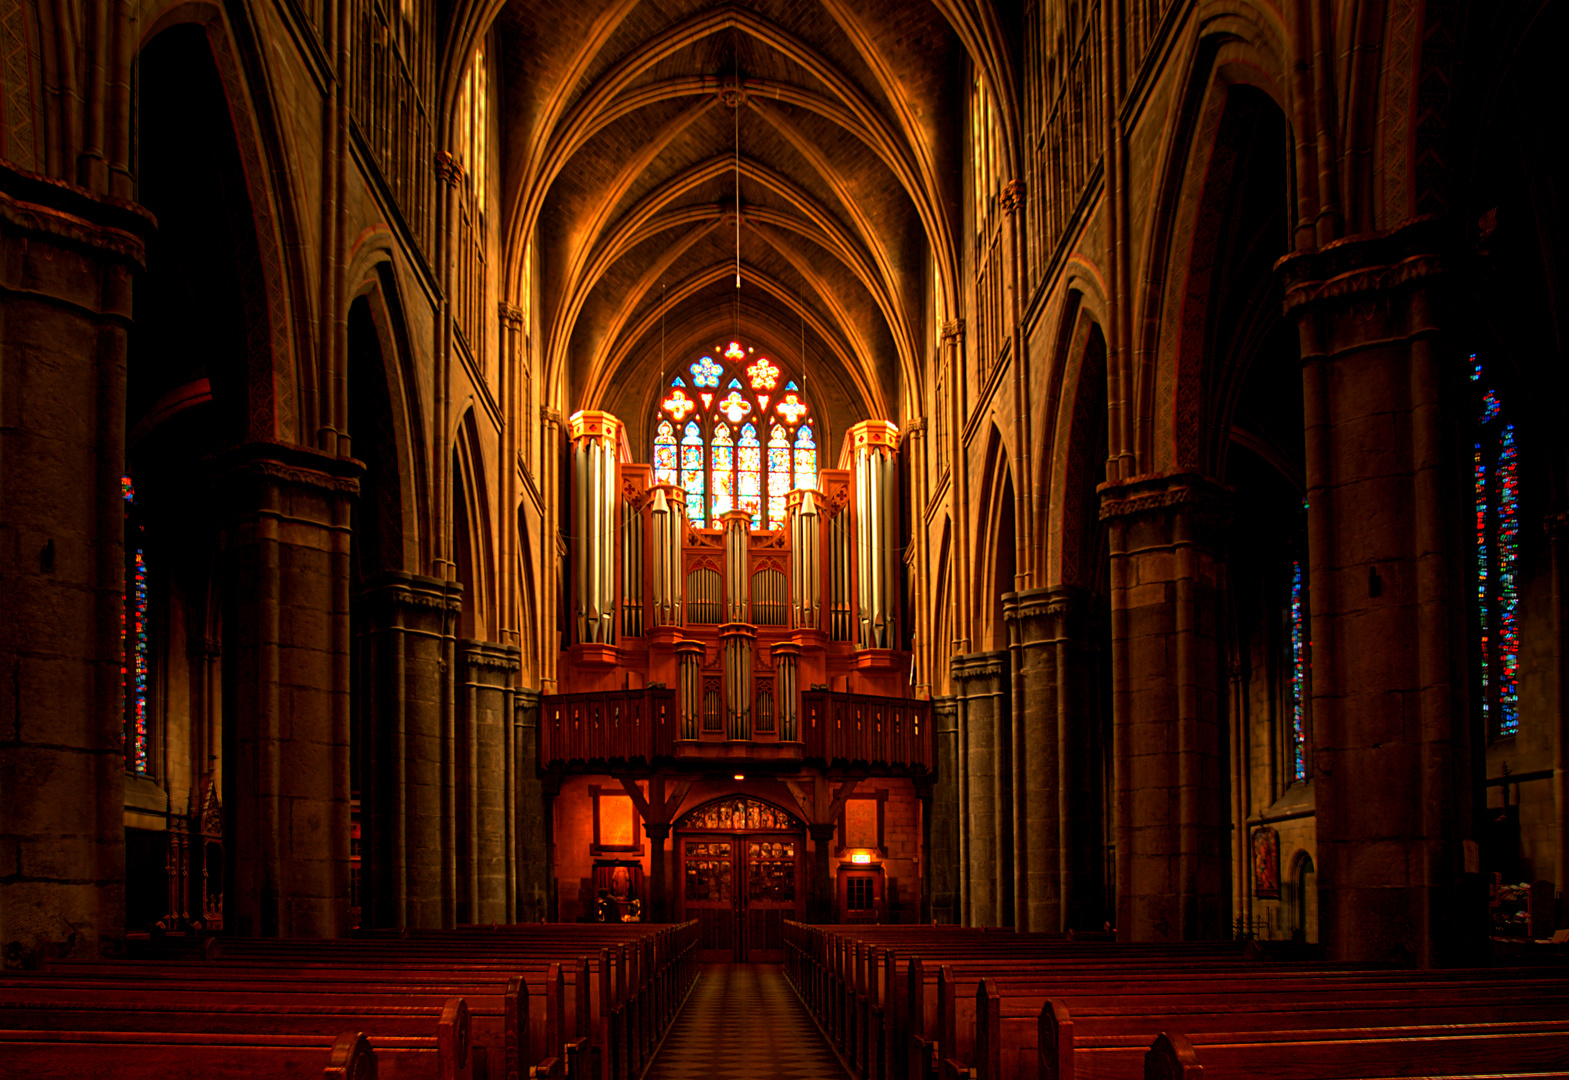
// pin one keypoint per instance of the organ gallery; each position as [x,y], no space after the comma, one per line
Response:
[743,483]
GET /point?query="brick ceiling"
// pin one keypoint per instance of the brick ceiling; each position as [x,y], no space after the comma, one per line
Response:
[621,124]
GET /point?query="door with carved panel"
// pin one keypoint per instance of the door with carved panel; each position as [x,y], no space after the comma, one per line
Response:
[708,894]
[773,885]
[741,867]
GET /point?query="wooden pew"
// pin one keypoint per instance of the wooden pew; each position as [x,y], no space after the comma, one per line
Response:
[1359,1052]
[158,1055]
[606,1012]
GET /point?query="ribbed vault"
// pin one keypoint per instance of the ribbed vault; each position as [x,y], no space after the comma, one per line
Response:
[630,129]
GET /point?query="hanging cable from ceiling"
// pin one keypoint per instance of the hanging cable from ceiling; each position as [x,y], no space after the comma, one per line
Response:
[738,191]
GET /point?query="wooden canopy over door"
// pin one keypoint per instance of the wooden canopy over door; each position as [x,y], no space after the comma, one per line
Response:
[741,866]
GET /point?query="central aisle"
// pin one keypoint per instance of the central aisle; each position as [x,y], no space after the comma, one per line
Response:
[743,1022]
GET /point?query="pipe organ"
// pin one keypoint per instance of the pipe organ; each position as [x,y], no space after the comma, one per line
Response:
[875,447]
[596,438]
[738,619]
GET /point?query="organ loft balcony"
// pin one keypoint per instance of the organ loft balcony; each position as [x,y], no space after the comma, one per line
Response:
[734,631]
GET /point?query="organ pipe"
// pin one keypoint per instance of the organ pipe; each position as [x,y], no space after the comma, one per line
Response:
[805,580]
[738,530]
[875,444]
[595,438]
[668,516]
[787,673]
[689,672]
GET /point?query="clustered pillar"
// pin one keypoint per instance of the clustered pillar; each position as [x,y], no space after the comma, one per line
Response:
[1169,805]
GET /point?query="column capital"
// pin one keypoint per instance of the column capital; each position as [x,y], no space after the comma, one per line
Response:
[1162,493]
[952,331]
[658,831]
[1013,196]
[510,313]
[822,832]
[448,171]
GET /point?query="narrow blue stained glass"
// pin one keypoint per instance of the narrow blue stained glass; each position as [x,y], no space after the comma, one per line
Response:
[1299,669]
[693,473]
[735,384]
[1495,464]
[133,638]
[679,381]
[791,385]
[1508,592]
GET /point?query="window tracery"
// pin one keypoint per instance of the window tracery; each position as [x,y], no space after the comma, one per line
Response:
[722,460]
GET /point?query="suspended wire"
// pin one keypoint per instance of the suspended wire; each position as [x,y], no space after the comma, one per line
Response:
[738,204]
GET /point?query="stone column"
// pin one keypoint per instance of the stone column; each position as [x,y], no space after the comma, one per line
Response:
[402,747]
[65,306]
[533,849]
[986,792]
[1167,656]
[1386,473]
[943,856]
[485,671]
[286,586]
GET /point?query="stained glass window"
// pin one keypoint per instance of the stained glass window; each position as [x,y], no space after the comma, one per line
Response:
[778,476]
[723,470]
[1299,671]
[665,454]
[693,473]
[133,636]
[805,458]
[1496,487]
[722,461]
[749,475]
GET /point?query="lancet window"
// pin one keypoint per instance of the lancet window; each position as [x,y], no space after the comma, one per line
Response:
[746,437]
[134,654]
[1496,488]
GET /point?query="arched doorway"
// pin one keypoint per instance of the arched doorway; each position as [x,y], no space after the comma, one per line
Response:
[741,877]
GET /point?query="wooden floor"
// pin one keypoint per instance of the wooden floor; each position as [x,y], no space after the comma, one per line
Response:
[743,1022]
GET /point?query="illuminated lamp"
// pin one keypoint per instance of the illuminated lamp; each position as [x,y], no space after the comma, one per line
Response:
[740,776]
[860,858]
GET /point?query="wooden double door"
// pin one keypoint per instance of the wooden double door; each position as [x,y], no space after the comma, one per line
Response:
[741,887]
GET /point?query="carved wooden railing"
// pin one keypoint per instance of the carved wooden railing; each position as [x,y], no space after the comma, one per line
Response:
[578,730]
[620,725]
[862,728]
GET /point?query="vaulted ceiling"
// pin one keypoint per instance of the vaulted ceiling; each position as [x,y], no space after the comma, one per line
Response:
[630,126]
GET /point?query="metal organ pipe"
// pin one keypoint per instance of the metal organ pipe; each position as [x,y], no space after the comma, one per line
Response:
[875,443]
[595,439]
[805,578]
[668,515]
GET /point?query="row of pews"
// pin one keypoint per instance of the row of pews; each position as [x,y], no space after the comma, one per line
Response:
[944,1003]
[501,1003]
